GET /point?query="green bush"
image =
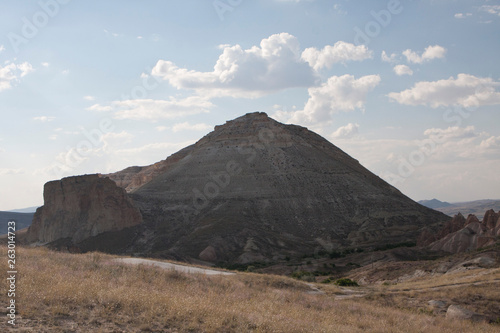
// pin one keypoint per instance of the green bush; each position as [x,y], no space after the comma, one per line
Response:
[304,276]
[345,282]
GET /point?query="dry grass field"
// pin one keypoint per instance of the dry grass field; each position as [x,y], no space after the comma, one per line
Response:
[61,292]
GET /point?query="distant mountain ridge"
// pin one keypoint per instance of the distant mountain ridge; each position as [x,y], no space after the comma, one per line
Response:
[434,203]
[477,207]
[23,220]
[24,210]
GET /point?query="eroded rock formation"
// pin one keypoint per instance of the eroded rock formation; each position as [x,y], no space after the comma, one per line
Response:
[460,235]
[80,207]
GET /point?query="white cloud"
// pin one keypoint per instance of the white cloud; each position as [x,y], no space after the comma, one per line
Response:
[89,98]
[455,132]
[45,64]
[99,108]
[339,93]
[346,131]
[431,52]
[402,70]
[161,128]
[386,58]
[150,109]
[5,171]
[340,52]
[466,90]
[462,15]
[44,119]
[11,73]
[2,48]
[65,72]
[492,9]
[274,65]
[190,127]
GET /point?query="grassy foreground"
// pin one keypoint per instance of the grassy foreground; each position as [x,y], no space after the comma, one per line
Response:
[60,292]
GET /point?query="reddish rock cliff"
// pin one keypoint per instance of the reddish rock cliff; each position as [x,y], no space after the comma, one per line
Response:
[81,207]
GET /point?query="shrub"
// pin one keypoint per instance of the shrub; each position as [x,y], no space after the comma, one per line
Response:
[345,282]
[304,276]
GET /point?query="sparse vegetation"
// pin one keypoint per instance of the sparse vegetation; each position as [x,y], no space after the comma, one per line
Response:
[345,282]
[61,292]
[396,245]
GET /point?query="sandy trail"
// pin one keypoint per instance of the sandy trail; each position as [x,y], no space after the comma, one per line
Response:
[167,265]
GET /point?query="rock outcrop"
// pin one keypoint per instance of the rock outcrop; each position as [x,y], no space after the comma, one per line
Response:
[258,190]
[456,312]
[80,207]
[461,235]
[134,177]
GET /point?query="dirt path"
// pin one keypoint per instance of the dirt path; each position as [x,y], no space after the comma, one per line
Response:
[167,265]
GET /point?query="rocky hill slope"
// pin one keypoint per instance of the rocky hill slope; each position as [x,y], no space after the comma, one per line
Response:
[252,190]
[255,189]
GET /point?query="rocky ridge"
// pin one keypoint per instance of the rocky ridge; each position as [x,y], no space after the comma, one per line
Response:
[461,235]
[80,207]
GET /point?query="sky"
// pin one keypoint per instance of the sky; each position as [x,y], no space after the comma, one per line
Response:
[411,89]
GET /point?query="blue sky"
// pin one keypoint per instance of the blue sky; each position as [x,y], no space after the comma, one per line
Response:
[409,88]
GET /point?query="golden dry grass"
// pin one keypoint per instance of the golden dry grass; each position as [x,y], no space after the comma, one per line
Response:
[477,290]
[60,292]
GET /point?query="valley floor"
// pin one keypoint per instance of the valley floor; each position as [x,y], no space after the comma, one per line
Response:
[61,292]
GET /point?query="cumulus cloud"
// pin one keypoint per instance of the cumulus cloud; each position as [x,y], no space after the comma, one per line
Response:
[190,127]
[346,131]
[2,48]
[11,73]
[466,91]
[276,64]
[338,53]
[491,142]
[387,58]
[339,93]
[430,52]
[402,70]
